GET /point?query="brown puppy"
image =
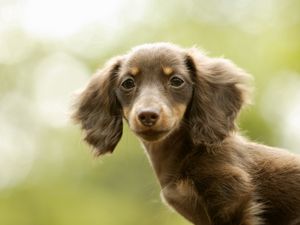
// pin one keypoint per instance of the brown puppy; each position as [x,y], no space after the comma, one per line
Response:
[182,105]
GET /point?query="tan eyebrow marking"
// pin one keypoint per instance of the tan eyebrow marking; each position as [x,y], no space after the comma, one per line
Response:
[167,70]
[134,70]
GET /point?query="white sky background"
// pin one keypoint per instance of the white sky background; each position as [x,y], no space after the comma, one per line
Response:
[62,18]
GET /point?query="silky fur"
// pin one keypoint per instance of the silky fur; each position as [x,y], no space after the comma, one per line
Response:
[207,171]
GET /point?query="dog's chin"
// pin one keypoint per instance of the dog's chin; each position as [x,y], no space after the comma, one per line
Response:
[152,135]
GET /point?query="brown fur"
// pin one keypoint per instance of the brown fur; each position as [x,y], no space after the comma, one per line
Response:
[207,171]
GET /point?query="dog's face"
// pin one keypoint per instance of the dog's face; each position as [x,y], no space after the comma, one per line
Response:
[157,88]
[154,88]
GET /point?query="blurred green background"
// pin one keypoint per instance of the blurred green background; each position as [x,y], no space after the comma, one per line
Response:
[49,49]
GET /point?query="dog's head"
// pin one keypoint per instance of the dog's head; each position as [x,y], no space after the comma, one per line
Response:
[159,88]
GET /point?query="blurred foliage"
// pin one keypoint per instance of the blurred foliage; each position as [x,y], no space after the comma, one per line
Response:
[47,175]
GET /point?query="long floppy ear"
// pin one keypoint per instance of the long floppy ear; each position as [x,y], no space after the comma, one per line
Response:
[220,90]
[97,110]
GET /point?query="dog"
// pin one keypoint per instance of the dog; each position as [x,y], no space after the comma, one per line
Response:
[182,105]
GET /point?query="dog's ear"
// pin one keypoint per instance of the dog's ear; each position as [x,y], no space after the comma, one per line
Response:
[97,110]
[220,89]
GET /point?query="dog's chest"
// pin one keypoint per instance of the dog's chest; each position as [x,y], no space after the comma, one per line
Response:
[178,191]
[182,197]
[179,196]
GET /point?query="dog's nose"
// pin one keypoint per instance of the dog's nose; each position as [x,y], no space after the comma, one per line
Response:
[148,117]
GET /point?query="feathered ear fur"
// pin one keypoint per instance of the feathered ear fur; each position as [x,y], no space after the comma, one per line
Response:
[97,110]
[220,90]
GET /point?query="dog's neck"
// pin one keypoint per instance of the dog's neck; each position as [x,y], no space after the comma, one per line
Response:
[166,155]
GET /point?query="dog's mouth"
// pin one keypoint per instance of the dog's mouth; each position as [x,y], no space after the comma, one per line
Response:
[151,135]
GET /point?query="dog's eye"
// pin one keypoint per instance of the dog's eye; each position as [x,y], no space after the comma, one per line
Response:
[128,84]
[176,81]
